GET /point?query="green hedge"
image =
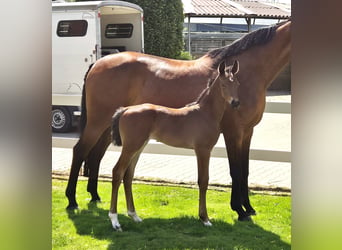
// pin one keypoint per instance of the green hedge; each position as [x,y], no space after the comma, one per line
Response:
[163,25]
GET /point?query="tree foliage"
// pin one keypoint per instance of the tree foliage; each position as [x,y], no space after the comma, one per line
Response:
[163,26]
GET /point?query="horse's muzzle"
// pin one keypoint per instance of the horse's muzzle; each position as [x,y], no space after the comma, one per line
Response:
[235,104]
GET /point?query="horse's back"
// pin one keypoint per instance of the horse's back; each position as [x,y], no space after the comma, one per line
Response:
[130,78]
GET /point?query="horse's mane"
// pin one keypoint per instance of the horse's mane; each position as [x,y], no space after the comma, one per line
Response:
[258,37]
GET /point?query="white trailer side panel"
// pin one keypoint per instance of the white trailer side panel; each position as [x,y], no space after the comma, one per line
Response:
[72,55]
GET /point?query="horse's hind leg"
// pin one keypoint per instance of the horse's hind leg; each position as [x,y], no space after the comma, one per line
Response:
[93,162]
[77,160]
[128,178]
[80,152]
[203,179]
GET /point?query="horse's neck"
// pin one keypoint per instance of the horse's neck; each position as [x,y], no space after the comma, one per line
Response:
[268,60]
[213,103]
[279,51]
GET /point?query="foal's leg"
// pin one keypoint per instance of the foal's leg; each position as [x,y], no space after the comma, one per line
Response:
[117,176]
[245,172]
[93,163]
[203,156]
[128,178]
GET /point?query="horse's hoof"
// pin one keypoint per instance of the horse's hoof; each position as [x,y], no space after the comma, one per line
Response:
[245,218]
[72,206]
[252,212]
[95,200]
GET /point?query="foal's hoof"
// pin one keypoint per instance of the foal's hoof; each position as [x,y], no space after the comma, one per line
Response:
[115,222]
[117,228]
[134,216]
[207,223]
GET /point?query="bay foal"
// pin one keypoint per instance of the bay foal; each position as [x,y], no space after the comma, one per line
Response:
[195,126]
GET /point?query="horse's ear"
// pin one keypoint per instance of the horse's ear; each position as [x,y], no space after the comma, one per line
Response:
[222,68]
[236,67]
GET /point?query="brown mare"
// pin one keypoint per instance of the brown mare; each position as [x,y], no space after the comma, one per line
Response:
[130,78]
[195,126]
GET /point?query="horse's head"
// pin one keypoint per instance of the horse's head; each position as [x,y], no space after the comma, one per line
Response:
[229,82]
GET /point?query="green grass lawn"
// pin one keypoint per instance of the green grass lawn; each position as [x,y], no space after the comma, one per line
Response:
[170,220]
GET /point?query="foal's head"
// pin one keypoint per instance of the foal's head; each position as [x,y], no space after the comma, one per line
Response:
[229,83]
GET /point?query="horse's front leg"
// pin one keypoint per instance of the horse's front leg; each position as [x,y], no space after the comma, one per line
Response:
[245,172]
[93,164]
[203,156]
[234,150]
[128,178]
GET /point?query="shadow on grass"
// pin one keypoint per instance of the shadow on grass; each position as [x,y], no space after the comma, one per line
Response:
[174,233]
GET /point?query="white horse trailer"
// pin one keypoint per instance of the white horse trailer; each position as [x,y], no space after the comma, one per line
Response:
[83,32]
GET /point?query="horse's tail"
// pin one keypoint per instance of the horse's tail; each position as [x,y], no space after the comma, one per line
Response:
[83,119]
[116,137]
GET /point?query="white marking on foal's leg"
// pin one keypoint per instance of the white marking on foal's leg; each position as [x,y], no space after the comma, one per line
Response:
[115,221]
[134,216]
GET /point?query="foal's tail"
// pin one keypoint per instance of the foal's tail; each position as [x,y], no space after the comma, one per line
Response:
[116,137]
[83,119]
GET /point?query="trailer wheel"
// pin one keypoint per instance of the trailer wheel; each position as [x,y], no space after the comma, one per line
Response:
[61,120]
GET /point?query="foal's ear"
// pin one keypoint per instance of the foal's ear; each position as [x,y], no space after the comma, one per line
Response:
[236,67]
[221,68]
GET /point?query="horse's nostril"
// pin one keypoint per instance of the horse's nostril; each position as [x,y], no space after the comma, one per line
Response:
[235,104]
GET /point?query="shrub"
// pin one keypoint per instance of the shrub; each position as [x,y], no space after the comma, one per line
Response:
[184,55]
[163,25]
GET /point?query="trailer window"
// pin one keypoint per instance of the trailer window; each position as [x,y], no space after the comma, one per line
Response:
[72,28]
[119,30]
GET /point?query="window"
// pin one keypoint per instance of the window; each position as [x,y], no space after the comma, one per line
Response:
[72,28]
[119,30]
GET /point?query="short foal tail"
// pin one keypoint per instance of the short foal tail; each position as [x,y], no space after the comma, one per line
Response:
[116,138]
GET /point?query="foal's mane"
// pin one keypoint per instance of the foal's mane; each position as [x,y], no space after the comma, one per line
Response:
[258,37]
[203,93]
